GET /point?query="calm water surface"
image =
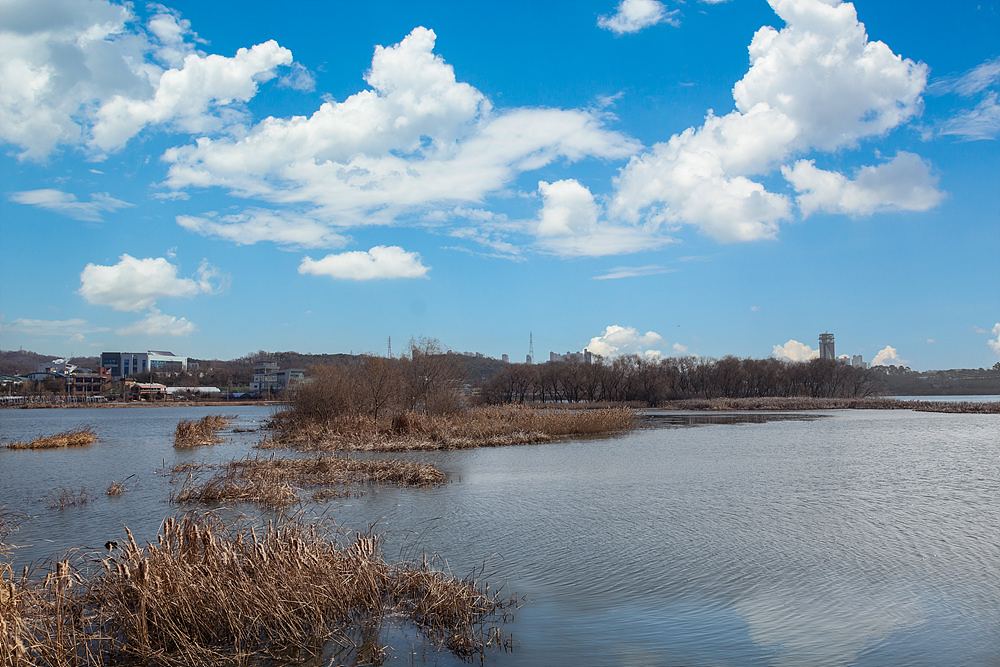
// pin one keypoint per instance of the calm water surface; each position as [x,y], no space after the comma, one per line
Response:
[826,538]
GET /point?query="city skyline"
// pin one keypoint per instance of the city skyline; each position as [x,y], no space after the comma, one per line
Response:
[706,178]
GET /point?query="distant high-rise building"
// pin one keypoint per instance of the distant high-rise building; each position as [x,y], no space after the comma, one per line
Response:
[505,358]
[826,346]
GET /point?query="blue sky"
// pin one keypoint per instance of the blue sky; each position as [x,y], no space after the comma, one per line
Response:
[707,178]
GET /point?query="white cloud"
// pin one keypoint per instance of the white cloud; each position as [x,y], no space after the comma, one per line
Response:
[69,327]
[888,356]
[994,344]
[88,71]
[983,120]
[680,349]
[818,84]
[298,78]
[634,15]
[793,350]
[185,96]
[617,340]
[569,224]
[136,284]
[256,225]
[158,324]
[634,272]
[381,262]
[902,184]
[415,141]
[67,204]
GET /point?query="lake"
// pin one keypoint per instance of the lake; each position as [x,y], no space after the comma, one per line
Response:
[815,538]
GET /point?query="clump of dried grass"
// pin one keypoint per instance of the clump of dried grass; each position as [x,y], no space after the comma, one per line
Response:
[67,497]
[277,482]
[208,594]
[79,437]
[118,488]
[488,426]
[199,433]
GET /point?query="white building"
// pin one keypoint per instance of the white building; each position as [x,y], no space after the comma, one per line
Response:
[123,364]
[60,366]
[267,377]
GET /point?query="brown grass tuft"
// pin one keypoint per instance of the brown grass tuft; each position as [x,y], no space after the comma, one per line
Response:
[67,497]
[277,482]
[79,437]
[209,594]
[199,433]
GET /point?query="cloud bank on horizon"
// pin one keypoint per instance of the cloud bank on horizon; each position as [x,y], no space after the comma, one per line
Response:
[418,148]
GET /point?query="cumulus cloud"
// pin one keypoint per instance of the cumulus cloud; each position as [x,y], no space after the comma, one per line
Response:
[818,84]
[634,15]
[65,203]
[136,284]
[888,356]
[257,225]
[617,340]
[381,262]
[415,141]
[905,183]
[185,96]
[156,323]
[571,222]
[793,350]
[994,344]
[91,72]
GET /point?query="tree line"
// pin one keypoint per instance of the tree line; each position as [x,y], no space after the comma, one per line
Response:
[653,381]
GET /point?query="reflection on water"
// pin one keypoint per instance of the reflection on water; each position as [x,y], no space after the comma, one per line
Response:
[840,538]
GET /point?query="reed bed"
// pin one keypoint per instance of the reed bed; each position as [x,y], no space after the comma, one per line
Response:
[277,482]
[199,433]
[67,497]
[209,594]
[488,426]
[808,403]
[79,437]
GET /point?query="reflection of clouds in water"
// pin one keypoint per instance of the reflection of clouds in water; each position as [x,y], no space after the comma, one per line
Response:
[829,625]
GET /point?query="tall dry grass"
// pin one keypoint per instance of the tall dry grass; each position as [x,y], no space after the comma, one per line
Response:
[209,594]
[199,433]
[277,482]
[79,437]
[488,426]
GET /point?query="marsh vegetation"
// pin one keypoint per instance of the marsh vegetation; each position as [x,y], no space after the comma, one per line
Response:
[206,593]
[199,433]
[78,437]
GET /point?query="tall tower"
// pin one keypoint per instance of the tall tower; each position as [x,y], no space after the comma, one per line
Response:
[531,348]
[826,350]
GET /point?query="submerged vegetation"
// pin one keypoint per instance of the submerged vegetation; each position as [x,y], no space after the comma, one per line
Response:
[277,482]
[211,594]
[79,437]
[199,433]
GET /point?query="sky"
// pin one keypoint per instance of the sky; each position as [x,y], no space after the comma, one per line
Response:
[705,178]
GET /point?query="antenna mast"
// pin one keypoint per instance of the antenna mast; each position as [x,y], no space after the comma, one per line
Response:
[389,352]
[531,347]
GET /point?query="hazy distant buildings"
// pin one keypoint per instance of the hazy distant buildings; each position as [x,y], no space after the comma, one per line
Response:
[585,357]
[267,377]
[505,358]
[826,350]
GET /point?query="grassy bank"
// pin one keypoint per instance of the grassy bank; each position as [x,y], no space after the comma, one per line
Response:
[208,594]
[278,482]
[807,403]
[491,426]
[79,437]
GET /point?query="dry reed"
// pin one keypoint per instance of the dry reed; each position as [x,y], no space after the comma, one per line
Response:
[208,594]
[199,433]
[277,482]
[490,426]
[79,437]
[67,497]
[118,488]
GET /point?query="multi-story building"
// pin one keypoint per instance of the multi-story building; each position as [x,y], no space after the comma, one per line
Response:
[123,364]
[267,377]
[826,350]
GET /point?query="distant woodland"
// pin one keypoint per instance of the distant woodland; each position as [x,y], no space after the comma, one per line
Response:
[627,378]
